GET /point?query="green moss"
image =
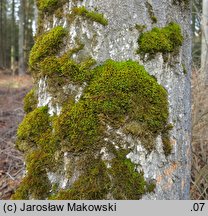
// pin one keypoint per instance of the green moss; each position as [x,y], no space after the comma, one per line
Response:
[129,92]
[49,66]
[63,69]
[36,139]
[76,49]
[140,131]
[164,40]
[46,45]
[36,183]
[49,5]
[154,19]
[151,187]
[179,2]
[82,128]
[35,132]
[184,69]
[140,28]
[92,15]
[59,70]
[127,182]
[30,101]
[125,88]
[32,127]
[121,180]
[120,93]
[87,64]
[93,184]
[167,146]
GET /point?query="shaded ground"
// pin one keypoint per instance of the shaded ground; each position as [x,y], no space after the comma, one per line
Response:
[12,92]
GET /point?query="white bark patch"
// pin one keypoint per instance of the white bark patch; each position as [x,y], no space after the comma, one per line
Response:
[45,98]
[150,163]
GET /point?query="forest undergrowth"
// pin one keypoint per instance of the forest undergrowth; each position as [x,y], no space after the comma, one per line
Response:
[199,173]
[12,91]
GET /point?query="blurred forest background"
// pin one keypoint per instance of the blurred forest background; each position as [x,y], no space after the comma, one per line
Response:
[17,32]
[17,27]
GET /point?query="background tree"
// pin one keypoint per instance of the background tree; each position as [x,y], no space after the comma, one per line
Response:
[2,33]
[197,33]
[21,68]
[204,50]
[16,33]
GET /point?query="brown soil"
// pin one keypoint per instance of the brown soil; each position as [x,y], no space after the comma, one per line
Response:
[12,91]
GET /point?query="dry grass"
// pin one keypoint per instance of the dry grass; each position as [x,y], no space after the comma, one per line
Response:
[12,92]
[199,186]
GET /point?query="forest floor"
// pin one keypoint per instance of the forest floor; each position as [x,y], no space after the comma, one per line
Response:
[12,91]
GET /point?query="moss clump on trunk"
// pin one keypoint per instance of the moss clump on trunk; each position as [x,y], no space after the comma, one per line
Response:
[118,93]
[30,101]
[163,40]
[92,15]
[49,6]
[46,45]
[36,140]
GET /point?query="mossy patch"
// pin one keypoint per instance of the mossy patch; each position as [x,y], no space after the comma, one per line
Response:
[36,140]
[181,2]
[36,183]
[46,45]
[32,127]
[92,15]
[120,181]
[184,69]
[167,146]
[126,89]
[120,93]
[93,184]
[128,184]
[49,6]
[140,28]
[119,90]
[62,70]
[30,101]
[82,128]
[163,40]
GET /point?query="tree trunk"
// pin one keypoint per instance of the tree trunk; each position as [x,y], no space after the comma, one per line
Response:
[21,61]
[13,39]
[3,39]
[120,92]
[1,33]
[204,51]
